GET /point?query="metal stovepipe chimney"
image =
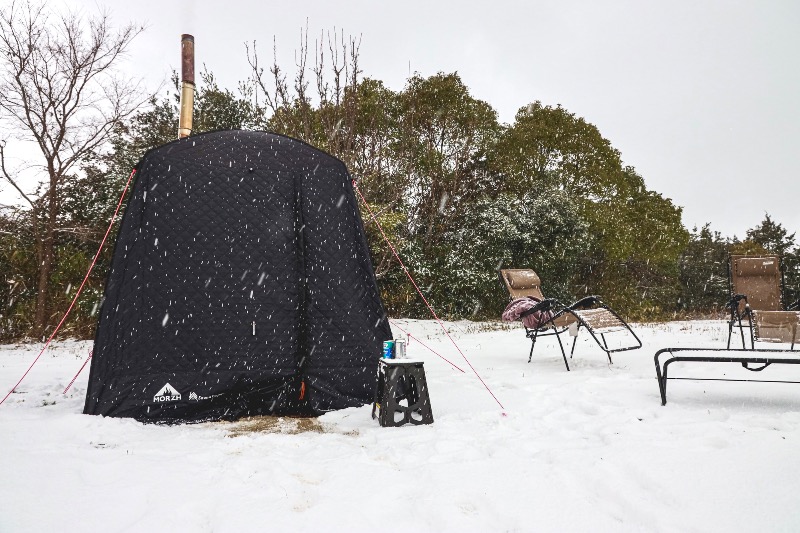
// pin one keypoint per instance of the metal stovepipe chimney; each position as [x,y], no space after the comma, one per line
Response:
[187,85]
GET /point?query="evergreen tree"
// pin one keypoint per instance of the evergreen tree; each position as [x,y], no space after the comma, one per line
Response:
[636,235]
[541,230]
[443,134]
[704,271]
[772,236]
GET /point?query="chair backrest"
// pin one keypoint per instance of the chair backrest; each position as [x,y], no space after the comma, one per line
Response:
[522,282]
[758,278]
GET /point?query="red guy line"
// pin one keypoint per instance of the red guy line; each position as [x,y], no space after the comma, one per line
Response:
[79,371]
[410,336]
[75,299]
[371,214]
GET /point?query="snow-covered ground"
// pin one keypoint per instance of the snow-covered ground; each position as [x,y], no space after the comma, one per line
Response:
[586,450]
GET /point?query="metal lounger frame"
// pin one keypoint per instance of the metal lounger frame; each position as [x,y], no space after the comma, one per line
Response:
[551,303]
[747,357]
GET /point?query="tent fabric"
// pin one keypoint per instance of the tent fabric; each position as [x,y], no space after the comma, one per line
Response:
[240,281]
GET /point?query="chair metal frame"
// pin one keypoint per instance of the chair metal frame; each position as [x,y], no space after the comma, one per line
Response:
[743,356]
[559,311]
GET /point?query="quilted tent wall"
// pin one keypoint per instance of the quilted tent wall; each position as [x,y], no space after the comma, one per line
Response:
[240,284]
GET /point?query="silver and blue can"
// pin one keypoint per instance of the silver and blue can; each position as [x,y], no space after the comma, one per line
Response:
[399,349]
[388,349]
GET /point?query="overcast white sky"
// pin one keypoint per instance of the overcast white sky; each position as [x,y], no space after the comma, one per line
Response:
[700,96]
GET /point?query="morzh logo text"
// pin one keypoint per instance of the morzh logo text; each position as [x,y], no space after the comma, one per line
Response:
[167,394]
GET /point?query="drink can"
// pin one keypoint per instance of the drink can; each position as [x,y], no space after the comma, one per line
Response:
[400,349]
[388,349]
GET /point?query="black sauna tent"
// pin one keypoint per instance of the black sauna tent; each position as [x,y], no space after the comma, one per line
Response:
[240,284]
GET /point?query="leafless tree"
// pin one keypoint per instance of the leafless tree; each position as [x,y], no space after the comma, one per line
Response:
[325,115]
[59,88]
[327,102]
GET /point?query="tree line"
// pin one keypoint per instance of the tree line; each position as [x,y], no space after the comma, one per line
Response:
[459,193]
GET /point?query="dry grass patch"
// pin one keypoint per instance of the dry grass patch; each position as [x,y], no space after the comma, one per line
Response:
[278,424]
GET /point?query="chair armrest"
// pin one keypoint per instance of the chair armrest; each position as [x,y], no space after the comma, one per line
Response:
[587,301]
[734,301]
[545,305]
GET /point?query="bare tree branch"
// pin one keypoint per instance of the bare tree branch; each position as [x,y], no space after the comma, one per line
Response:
[8,177]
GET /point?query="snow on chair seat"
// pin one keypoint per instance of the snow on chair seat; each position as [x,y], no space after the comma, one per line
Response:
[601,320]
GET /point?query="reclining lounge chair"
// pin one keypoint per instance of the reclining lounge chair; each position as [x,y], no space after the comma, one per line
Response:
[756,301]
[589,313]
[756,292]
